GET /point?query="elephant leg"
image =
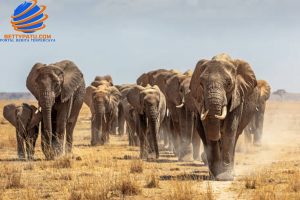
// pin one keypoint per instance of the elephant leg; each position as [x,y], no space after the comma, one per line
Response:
[71,123]
[32,141]
[20,146]
[54,143]
[141,130]
[186,134]
[258,129]
[58,146]
[45,143]
[213,155]
[121,121]
[228,150]
[93,130]
[175,137]
[200,130]
[196,141]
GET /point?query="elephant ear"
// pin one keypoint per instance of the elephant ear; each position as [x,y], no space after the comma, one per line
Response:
[9,113]
[72,79]
[244,85]
[133,97]
[31,78]
[195,86]
[88,97]
[115,96]
[36,117]
[172,92]
[264,88]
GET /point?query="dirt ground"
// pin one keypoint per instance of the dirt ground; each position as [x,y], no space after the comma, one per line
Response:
[114,171]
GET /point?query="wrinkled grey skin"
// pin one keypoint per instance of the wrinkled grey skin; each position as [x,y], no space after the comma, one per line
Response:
[103,102]
[218,84]
[255,127]
[26,119]
[182,111]
[127,114]
[59,89]
[150,107]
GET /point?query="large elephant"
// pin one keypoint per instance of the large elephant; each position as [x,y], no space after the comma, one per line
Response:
[150,108]
[255,127]
[26,119]
[182,110]
[59,89]
[103,102]
[223,91]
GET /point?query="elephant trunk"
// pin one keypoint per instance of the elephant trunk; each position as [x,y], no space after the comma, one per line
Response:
[216,111]
[153,124]
[98,137]
[46,102]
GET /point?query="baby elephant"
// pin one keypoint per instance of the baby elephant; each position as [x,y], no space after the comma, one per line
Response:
[25,118]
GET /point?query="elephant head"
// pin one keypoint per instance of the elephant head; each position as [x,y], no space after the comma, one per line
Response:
[26,114]
[219,86]
[51,83]
[149,102]
[103,102]
[102,80]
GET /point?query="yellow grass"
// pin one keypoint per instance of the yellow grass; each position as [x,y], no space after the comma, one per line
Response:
[114,171]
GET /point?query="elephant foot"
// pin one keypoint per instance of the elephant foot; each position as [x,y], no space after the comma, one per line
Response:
[186,158]
[257,143]
[225,176]
[204,158]
[186,153]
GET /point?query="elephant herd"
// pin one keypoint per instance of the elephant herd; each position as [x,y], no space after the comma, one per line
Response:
[214,104]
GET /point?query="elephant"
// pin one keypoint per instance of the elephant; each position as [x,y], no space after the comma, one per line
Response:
[59,89]
[149,104]
[255,127]
[224,92]
[159,77]
[103,102]
[26,119]
[107,81]
[130,118]
[128,115]
[182,109]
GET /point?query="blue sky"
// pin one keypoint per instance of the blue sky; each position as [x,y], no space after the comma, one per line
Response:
[125,38]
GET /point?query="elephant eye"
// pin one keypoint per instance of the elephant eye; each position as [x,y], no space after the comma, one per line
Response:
[228,83]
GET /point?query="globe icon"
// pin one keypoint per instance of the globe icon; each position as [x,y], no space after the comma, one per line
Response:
[29,17]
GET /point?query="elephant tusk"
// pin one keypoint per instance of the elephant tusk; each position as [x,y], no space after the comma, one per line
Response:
[182,104]
[223,115]
[105,119]
[37,110]
[204,114]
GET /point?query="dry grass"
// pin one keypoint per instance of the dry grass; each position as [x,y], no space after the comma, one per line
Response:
[136,166]
[272,182]
[152,181]
[14,179]
[63,162]
[181,191]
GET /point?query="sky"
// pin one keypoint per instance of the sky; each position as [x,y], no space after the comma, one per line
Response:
[125,38]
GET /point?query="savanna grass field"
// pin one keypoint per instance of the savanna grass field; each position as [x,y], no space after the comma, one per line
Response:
[114,171]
